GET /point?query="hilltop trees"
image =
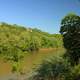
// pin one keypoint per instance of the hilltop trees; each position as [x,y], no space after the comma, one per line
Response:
[70,29]
[25,39]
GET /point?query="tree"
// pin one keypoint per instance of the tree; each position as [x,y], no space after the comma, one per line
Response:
[70,29]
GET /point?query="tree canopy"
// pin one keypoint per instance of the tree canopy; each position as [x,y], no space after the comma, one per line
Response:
[70,29]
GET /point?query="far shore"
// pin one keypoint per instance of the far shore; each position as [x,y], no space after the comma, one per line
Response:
[50,48]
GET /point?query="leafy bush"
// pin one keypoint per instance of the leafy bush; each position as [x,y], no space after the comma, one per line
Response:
[53,69]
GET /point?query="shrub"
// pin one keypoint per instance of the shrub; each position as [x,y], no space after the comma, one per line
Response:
[53,69]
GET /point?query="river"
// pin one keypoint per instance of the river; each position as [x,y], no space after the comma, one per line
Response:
[30,61]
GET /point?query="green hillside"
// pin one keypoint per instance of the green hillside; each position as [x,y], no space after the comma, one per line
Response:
[16,40]
[26,39]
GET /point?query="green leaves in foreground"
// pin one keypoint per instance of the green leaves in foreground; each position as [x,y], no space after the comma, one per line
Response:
[53,69]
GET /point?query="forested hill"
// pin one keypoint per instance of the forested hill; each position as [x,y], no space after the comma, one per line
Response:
[15,37]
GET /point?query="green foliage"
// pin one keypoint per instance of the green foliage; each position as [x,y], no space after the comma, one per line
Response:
[60,68]
[70,29]
[53,69]
[76,72]
[15,40]
[16,67]
[70,24]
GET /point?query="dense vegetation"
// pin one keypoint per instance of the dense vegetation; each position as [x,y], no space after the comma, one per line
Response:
[26,39]
[55,68]
[67,66]
[17,40]
[70,29]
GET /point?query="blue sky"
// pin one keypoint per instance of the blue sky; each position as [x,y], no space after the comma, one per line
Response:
[42,14]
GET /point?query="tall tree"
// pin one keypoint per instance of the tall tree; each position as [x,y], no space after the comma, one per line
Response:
[70,29]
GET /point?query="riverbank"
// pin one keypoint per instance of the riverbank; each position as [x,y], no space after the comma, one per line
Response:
[30,61]
[45,49]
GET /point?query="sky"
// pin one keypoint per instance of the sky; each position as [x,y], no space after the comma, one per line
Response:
[42,14]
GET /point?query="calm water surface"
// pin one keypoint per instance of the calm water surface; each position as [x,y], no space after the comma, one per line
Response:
[30,61]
